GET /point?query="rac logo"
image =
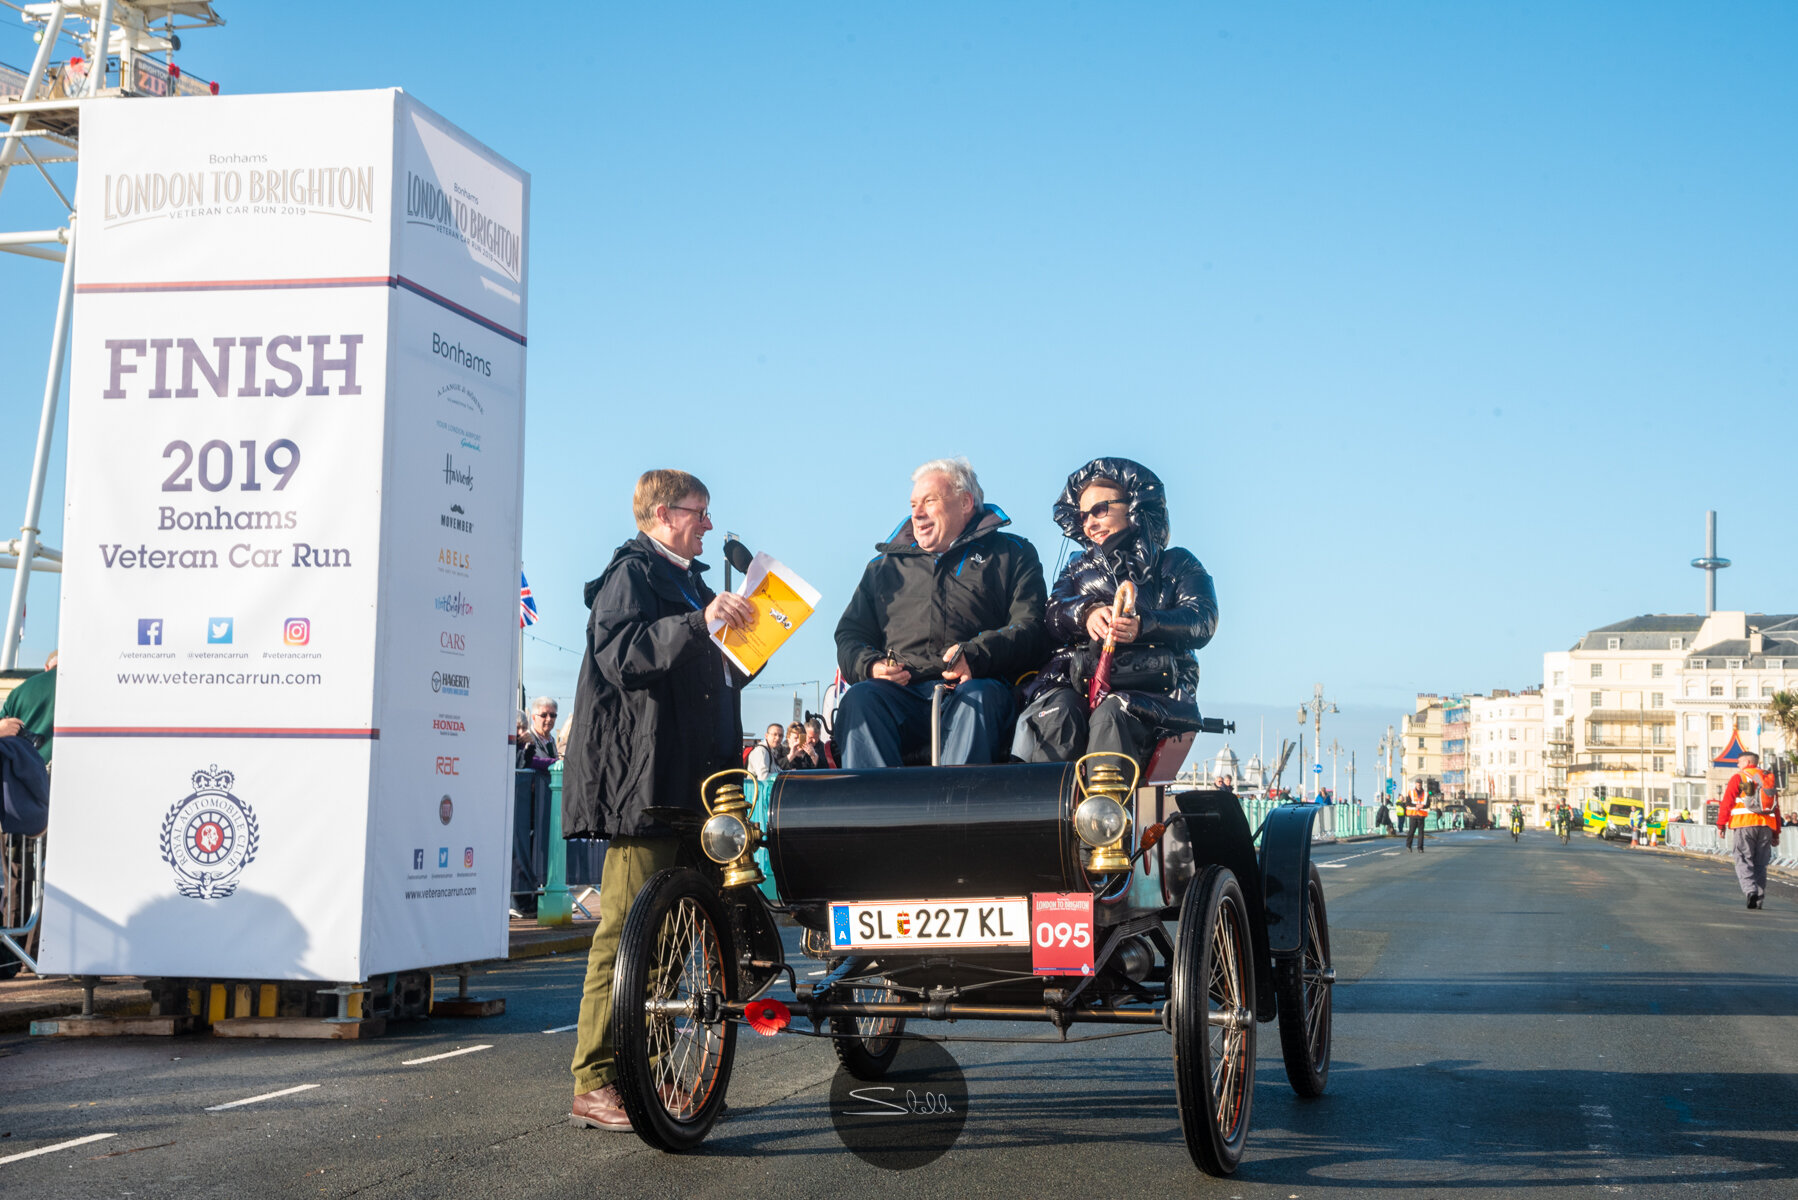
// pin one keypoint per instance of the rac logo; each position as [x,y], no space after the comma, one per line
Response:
[446,764]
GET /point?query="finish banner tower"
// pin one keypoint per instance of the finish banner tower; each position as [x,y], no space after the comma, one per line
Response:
[291,553]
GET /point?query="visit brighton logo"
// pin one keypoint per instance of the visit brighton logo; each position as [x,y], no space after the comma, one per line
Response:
[210,837]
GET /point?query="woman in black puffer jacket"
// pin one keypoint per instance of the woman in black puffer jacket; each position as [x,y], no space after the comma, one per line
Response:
[1117,510]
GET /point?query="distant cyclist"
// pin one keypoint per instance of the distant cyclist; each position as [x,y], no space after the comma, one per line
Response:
[1516,820]
[1563,821]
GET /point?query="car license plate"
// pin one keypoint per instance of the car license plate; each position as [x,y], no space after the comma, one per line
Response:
[930,924]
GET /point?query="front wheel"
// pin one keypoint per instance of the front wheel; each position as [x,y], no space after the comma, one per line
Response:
[1211,996]
[673,1044]
[1303,986]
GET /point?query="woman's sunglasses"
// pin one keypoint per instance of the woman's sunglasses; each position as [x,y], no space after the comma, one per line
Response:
[1097,512]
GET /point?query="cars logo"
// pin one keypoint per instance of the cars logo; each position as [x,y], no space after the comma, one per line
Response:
[446,809]
[455,643]
[296,631]
[418,860]
[149,631]
[468,857]
[218,631]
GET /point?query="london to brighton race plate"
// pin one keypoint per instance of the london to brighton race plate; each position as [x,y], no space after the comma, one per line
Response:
[930,924]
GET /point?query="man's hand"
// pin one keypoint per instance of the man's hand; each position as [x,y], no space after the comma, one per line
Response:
[891,670]
[733,610]
[10,727]
[955,666]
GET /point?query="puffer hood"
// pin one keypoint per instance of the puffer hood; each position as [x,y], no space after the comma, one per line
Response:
[1148,500]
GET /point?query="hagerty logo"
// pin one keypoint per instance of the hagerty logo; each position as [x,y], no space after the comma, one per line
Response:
[209,837]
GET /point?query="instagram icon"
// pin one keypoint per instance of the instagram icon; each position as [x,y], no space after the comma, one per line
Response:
[297,631]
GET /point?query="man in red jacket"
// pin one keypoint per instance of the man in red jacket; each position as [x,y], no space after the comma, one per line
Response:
[1750,814]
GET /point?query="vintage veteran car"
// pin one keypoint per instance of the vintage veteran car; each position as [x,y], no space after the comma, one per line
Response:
[1058,893]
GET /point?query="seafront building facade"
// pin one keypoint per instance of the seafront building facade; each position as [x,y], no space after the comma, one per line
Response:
[1421,739]
[1505,750]
[1642,708]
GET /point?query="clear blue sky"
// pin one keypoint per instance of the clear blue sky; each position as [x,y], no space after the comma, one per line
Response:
[1443,324]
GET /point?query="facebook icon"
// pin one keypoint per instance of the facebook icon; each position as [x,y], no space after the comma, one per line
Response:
[149,631]
[418,860]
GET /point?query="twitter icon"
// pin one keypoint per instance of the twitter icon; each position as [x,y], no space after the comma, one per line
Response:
[218,631]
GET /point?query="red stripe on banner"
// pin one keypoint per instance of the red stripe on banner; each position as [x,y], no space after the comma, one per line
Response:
[446,302]
[156,731]
[235,285]
[254,285]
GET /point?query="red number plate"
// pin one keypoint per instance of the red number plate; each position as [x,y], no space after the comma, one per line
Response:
[1061,933]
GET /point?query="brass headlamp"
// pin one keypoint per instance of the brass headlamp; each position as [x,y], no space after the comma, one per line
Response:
[728,836]
[1102,818]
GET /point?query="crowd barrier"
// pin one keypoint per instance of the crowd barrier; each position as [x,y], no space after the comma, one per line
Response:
[1708,839]
[1335,822]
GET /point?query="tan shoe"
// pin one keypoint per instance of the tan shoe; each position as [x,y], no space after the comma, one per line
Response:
[602,1108]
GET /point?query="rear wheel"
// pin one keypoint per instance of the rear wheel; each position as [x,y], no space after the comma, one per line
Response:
[674,1047]
[1211,996]
[866,1046]
[1303,985]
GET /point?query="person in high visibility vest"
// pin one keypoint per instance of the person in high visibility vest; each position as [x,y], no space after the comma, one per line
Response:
[1751,816]
[1416,808]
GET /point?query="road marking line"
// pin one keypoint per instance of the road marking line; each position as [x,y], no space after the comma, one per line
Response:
[413,1062]
[1329,866]
[562,1028]
[80,1141]
[304,1087]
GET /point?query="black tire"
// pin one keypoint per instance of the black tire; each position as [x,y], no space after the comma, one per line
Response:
[866,1046]
[1214,1063]
[673,1069]
[1304,985]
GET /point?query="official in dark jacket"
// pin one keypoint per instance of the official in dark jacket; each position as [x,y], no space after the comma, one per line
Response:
[655,713]
[951,599]
[1117,510]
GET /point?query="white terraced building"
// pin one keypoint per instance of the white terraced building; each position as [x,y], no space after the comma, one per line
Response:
[1644,706]
[1504,751]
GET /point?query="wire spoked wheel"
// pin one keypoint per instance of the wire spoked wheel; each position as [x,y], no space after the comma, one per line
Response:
[1212,998]
[866,1046]
[1303,987]
[673,1046]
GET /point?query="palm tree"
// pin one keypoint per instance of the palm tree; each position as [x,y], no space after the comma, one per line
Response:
[1782,711]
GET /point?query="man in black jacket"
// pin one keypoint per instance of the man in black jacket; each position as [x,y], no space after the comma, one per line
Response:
[951,599]
[656,710]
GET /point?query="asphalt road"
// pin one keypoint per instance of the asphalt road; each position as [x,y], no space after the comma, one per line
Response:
[1511,1019]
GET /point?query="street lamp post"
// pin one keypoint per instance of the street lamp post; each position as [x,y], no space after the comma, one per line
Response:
[1316,709]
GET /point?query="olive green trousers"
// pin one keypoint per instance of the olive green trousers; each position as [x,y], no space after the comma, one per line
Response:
[630,862]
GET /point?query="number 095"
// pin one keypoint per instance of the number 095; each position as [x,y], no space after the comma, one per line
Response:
[1063,933]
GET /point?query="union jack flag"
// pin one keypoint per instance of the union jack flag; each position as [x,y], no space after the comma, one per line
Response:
[527,606]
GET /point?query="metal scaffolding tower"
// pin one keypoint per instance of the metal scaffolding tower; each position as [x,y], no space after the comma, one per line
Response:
[88,51]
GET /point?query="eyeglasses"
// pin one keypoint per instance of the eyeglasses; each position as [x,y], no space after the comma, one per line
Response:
[1097,512]
[704,514]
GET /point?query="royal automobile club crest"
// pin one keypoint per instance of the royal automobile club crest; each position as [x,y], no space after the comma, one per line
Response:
[209,837]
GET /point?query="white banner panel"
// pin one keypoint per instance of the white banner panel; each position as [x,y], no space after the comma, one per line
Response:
[291,548]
